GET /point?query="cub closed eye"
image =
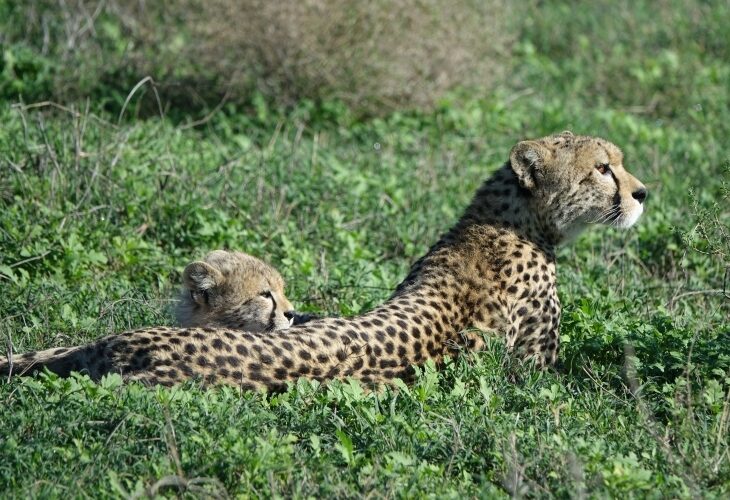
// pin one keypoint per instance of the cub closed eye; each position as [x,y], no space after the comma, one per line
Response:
[267,294]
[195,295]
[603,168]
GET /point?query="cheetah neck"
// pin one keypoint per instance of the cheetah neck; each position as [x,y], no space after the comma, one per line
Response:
[503,205]
[502,215]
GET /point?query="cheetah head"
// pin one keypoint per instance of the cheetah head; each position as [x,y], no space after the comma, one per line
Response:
[576,181]
[234,290]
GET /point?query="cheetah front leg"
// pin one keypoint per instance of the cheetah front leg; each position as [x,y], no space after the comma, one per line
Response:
[534,333]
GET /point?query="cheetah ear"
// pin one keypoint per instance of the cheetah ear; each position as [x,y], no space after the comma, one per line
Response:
[527,160]
[200,276]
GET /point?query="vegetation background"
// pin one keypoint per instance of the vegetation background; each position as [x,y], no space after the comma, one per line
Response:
[337,139]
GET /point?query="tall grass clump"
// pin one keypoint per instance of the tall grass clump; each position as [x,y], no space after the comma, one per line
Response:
[373,56]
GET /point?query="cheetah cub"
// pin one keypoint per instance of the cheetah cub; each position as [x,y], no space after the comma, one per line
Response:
[230,289]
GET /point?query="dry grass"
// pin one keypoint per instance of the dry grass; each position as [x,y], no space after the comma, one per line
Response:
[374,56]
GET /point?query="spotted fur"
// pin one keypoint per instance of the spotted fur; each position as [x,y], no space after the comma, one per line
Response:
[494,270]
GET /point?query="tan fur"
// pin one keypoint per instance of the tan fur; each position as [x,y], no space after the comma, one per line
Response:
[494,270]
[235,290]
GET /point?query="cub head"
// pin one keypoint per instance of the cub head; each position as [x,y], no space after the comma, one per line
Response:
[577,180]
[234,290]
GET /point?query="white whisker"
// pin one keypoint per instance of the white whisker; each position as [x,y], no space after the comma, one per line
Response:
[606,216]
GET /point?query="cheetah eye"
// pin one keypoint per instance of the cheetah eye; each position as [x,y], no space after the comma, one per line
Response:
[603,168]
[267,294]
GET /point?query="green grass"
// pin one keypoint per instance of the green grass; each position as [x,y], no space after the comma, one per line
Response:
[98,216]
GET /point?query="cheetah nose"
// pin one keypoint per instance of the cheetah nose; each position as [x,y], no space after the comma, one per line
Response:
[639,195]
[289,315]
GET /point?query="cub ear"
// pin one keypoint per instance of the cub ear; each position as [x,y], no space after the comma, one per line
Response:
[527,160]
[199,277]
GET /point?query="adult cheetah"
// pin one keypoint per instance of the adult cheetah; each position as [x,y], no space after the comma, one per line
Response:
[495,269]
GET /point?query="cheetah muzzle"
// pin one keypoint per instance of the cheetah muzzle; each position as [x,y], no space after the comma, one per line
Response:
[494,270]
